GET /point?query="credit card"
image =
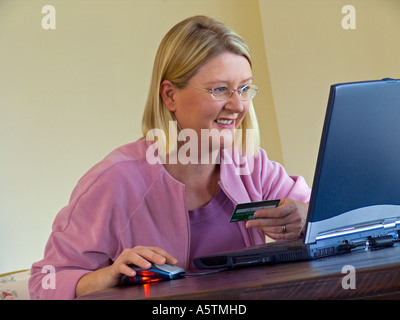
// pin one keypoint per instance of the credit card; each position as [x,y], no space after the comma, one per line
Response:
[245,211]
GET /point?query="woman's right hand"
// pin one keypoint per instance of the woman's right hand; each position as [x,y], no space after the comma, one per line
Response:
[142,257]
[110,276]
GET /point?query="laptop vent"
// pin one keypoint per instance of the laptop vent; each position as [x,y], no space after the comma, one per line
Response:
[323,252]
[247,259]
[291,256]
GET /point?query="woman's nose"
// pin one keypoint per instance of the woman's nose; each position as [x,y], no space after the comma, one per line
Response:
[235,102]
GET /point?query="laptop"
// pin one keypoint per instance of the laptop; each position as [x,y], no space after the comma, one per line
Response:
[355,199]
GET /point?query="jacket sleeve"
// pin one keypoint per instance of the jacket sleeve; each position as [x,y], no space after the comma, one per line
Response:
[84,238]
[277,184]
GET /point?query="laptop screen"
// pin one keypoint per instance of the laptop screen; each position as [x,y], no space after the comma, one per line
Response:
[359,158]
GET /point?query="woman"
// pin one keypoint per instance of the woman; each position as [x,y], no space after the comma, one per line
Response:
[168,197]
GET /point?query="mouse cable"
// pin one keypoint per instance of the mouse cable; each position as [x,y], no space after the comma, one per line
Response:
[204,273]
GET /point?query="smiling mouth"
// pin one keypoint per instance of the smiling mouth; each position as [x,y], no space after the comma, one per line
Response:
[224,121]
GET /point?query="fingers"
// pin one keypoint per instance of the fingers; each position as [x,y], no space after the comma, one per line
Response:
[282,232]
[284,209]
[142,257]
[283,222]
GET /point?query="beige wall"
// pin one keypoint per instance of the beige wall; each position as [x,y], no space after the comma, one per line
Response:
[71,95]
[308,50]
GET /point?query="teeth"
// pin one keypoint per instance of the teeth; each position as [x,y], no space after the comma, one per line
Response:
[220,121]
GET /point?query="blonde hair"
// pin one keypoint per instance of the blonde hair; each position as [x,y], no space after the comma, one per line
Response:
[182,51]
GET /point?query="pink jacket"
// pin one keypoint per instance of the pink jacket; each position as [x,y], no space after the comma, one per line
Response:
[123,201]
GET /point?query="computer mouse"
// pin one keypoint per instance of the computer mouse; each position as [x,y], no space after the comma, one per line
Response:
[157,272]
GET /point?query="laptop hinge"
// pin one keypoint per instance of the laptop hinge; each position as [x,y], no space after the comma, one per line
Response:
[389,224]
[372,236]
[378,218]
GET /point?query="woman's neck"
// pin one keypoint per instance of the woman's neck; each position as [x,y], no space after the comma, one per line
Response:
[200,180]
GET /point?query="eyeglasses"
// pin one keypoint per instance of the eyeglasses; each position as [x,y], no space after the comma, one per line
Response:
[246,93]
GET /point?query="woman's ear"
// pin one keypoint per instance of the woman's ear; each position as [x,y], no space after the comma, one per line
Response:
[167,91]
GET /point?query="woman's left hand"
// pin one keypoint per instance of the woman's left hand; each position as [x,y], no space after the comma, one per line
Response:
[285,222]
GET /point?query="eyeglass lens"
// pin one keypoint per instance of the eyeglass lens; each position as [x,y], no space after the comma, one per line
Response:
[246,93]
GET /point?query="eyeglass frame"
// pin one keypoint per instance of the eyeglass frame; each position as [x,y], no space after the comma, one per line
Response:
[229,92]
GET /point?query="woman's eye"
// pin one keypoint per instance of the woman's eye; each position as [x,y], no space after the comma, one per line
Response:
[220,90]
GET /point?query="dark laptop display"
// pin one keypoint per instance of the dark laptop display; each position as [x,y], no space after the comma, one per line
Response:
[355,200]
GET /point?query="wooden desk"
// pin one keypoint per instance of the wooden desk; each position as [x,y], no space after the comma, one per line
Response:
[377,276]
